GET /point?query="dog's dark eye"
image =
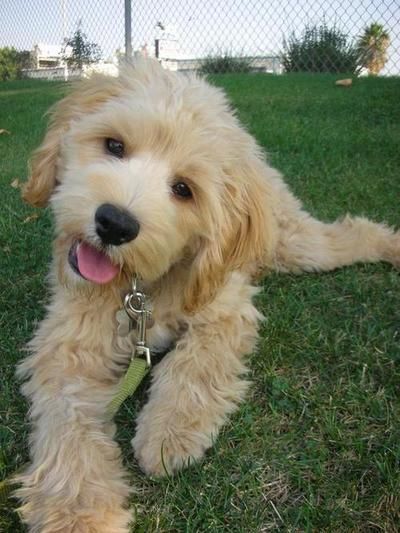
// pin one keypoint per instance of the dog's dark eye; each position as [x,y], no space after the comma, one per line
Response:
[115,147]
[182,190]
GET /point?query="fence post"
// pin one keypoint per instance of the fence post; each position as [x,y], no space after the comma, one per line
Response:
[64,35]
[128,30]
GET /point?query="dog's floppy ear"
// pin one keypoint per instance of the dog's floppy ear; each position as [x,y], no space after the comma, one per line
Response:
[87,95]
[242,238]
[43,166]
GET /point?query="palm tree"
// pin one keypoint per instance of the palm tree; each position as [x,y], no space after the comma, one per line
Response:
[372,46]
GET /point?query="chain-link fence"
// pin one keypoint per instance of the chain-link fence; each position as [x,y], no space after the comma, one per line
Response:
[61,38]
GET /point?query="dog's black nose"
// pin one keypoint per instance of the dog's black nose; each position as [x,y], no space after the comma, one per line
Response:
[115,225]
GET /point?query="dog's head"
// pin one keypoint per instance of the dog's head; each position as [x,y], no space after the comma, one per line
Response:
[148,171]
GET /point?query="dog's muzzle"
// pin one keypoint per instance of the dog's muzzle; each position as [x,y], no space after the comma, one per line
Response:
[115,225]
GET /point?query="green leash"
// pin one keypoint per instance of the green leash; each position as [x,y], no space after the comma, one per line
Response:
[137,370]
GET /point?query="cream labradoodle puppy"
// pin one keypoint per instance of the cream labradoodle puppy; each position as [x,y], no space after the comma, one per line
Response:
[151,174]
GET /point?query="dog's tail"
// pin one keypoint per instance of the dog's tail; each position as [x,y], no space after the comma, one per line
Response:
[308,245]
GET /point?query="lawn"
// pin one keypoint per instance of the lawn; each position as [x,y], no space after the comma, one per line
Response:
[317,445]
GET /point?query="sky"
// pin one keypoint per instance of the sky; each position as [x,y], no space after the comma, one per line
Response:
[251,27]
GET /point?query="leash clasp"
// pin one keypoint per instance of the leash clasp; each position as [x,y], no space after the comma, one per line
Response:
[144,352]
[135,307]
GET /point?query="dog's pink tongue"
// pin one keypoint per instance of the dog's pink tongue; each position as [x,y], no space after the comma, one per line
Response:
[95,265]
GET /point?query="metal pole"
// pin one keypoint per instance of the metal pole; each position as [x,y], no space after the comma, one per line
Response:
[128,30]
[64,35]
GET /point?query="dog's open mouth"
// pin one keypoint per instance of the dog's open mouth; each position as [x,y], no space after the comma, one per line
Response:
[91,264]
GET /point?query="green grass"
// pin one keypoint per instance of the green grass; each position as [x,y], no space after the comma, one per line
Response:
[317,445]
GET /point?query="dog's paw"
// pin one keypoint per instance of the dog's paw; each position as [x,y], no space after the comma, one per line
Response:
[165,453]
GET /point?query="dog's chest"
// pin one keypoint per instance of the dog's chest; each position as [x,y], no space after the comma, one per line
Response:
[160,337]
[161,333]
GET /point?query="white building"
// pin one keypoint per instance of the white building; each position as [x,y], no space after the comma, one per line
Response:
[49,55]
[49,63]
[168,51]
[166,47]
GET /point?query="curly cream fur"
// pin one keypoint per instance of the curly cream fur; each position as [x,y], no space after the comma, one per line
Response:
[197,260]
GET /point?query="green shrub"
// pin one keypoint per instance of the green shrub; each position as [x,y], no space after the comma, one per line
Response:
[12,62]
[320,49]
[224,62]
[8,64]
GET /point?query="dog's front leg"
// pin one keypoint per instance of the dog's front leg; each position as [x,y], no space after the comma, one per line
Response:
[197,385]
[75,482]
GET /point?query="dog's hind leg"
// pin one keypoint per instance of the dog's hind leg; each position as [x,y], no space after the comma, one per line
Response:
[305,244]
